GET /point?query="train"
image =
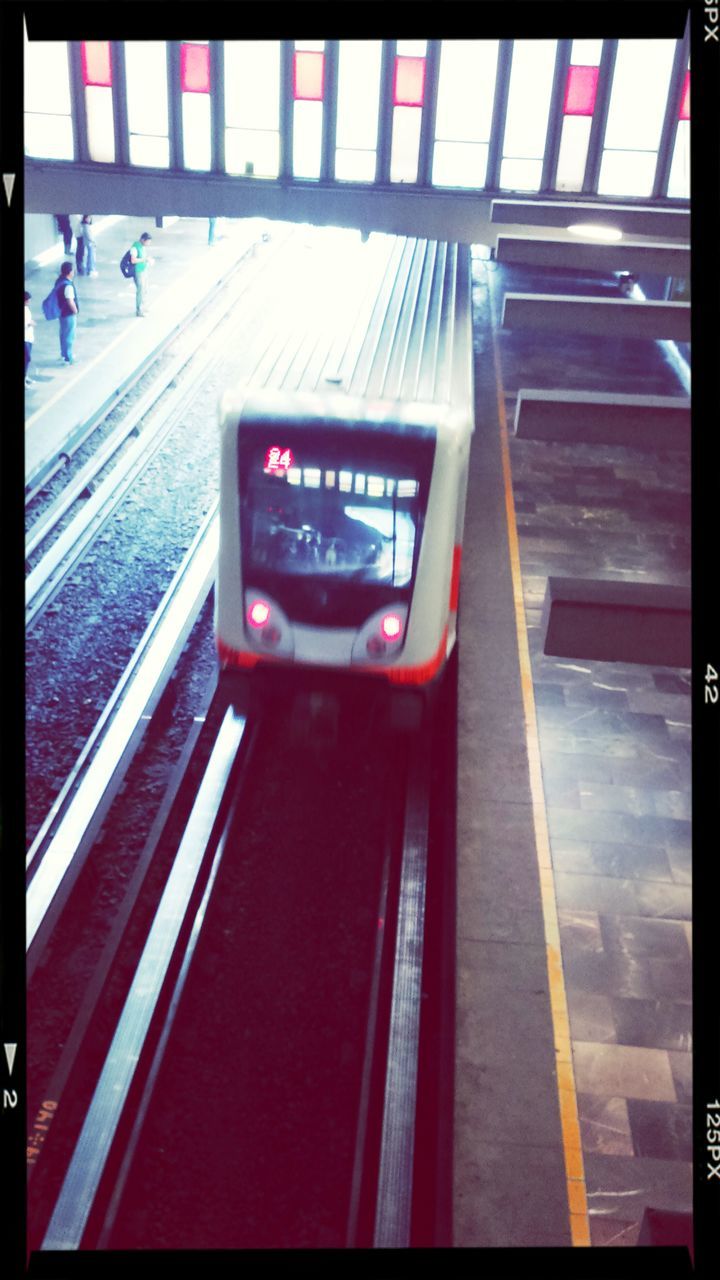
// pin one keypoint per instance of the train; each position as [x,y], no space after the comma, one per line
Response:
[343,473]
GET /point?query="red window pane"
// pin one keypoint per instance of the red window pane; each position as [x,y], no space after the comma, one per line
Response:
[195,68]
[409,82]
[308,72]
[581,91]
[95,57]
[685,99]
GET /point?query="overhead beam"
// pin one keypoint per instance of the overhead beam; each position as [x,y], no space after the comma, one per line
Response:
[611,317]
[613,621]
[464,216]
[596,417]
[655,259]
[459,216]
[638,219]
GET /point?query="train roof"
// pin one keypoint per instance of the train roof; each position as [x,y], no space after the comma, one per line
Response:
[387,321]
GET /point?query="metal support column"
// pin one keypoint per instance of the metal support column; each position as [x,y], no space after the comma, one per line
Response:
[497,130]
[600,115]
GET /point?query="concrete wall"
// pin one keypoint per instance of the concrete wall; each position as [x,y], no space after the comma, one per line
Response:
[40,235]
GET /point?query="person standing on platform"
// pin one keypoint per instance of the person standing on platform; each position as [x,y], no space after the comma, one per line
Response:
[29,339]
[64,229]
[69,308]
[140,261]
[88,235]
[211,230]
[79,249]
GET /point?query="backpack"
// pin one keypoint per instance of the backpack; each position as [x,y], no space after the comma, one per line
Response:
[51,306]
[126,266]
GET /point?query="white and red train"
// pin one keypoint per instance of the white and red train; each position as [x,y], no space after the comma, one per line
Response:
[343,473]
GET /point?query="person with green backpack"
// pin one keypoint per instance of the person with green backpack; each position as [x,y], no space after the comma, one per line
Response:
[140,262]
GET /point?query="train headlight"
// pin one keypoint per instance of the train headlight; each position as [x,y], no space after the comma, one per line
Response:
[382,636]
[266,625]
[391,626]
[259,613]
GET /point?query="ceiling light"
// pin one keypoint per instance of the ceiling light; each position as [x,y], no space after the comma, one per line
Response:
[595,232]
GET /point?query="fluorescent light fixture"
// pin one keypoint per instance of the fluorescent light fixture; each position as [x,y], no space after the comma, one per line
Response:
[595,232]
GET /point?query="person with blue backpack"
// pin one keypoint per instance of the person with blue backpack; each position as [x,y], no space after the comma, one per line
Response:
[68,307]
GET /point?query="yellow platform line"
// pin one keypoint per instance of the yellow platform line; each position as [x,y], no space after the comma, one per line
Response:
[567,1096]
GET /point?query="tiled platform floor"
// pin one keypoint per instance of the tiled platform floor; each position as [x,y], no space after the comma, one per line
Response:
[615,749]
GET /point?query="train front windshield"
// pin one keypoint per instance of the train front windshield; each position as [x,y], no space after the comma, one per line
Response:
[350,528]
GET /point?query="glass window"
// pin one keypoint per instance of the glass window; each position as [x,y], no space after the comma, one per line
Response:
[252,107]
[332,534]
[196,130]
[308,75]
[95,60]
[97,78]
[586,53]
[252,84]
[253,152]
[638,101]
[639,94]
[195,88]
[627,173]
[308,86]
[531,78]
[146,75]
[100,124]
[49,137]
[679,182]
[408,92]
[580,91]
[358,105]
[150,151]
[194,68]
[572,156]
[307,139]
[466,89]
[411,48]
[409,82]
[47,77]
[301,527]
[521,175]
[460,164]
[48,125]
[463,120]
[354,165]
[405,144]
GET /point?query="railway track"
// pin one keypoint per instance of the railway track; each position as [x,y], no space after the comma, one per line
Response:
[294,893]
[355,1055]
[68,525]
[61,846]
[182,340]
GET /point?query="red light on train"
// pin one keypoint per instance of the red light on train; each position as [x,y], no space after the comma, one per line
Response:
[258,613]
[391,626]
[277,459]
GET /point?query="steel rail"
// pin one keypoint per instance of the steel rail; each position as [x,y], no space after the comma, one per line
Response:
[393,1212]
[87,1163]
[46,579]
[83,432]
[63,842]
[361,1139]
[45,524]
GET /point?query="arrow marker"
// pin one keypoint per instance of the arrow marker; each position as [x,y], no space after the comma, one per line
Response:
[8,183]
[10,1055]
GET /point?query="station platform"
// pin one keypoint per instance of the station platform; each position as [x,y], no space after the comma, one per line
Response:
[573,1075]
[573,1064]
[111,342]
